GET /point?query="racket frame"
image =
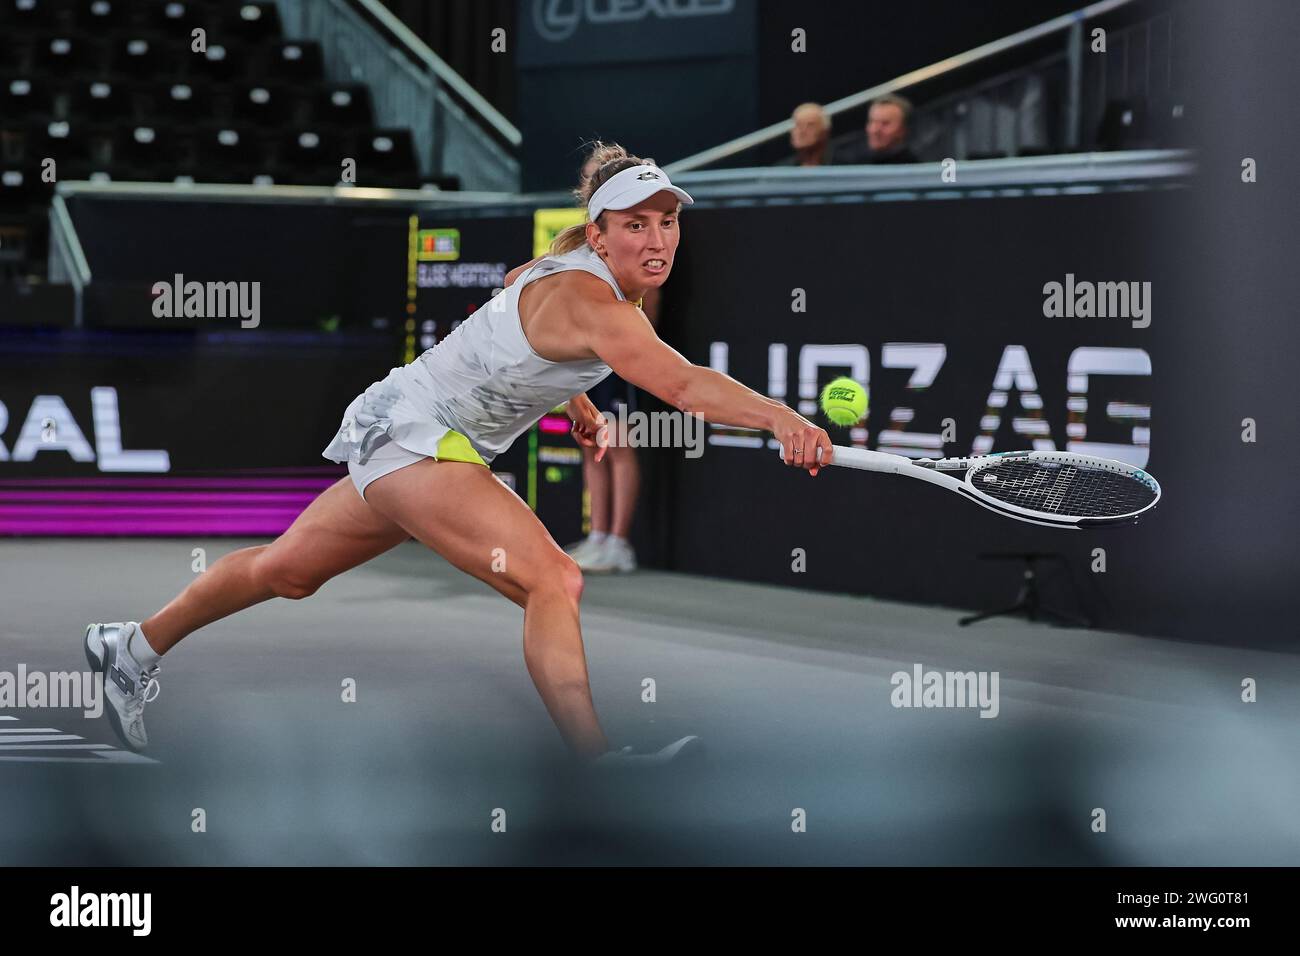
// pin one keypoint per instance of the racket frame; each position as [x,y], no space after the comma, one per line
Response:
[935,471]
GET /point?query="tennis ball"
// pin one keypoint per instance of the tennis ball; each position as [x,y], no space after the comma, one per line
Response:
[844,401]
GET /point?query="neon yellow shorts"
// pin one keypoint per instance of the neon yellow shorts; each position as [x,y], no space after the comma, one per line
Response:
[453,446]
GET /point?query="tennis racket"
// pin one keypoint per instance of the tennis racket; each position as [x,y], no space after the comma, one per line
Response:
[1050,488]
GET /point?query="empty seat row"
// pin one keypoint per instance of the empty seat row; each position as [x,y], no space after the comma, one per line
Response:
[186,100]
[254,20]
[145,55]
[213,153]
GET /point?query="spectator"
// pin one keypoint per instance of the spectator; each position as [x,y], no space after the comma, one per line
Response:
[811,137]
[887,133]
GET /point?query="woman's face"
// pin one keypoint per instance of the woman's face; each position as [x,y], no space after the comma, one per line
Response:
[638,244]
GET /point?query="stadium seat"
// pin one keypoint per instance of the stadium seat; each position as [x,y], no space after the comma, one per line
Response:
[23,98]
[253,22]
[26,15]
[1167,119]
[101,100]
[98,17]
[386,157]
[221,62]
[65,53]
[228,153]
[343,106]
[65,141]
[298,61]
[310,157]
[142,55]
[175,17]
[145,149]
[1123,125]
[185,101]
[267,104]
[16,183]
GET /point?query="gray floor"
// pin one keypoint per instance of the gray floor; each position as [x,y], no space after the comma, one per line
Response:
[790,690]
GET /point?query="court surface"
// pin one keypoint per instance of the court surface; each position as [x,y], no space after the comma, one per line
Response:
[790,691]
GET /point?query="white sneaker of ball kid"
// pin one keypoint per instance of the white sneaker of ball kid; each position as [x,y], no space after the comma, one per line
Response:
[579,549]
[613,555]
[127,685]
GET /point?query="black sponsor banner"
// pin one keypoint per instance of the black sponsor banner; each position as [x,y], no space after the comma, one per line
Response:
[149,433]
[939,308]
[319,266]
[197,399]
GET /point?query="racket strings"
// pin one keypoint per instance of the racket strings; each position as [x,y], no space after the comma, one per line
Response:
[1063,488]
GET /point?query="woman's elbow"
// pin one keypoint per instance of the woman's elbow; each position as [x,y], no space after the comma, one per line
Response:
[678,392]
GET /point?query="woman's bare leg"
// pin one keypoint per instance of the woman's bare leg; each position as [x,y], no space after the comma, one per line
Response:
[625,485]
[480,526]
[595,475]
[336,532]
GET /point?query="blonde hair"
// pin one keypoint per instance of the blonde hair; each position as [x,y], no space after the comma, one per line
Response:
[610,158]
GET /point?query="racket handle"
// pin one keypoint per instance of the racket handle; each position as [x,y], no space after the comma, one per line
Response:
[864,460]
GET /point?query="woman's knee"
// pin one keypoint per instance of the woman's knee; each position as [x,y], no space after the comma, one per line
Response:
[560,574]
[284,577]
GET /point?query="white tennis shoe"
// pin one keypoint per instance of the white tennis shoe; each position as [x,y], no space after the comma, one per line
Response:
[611,556]
[579,549]
[128,686]
[680,750]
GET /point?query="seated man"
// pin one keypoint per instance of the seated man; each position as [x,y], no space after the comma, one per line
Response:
[811,137]
[887,133]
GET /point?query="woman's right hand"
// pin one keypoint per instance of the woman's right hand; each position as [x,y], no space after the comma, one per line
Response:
[801,441]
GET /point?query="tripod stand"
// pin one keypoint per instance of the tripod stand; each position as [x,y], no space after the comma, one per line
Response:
[1028,601]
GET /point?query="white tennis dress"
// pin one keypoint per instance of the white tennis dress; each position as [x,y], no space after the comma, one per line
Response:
[482,380]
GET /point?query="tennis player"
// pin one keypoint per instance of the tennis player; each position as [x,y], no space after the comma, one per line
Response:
[417,446]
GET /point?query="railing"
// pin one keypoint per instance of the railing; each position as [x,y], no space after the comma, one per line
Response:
[1040,175]
[410,88]
[1063,72]
[68,265]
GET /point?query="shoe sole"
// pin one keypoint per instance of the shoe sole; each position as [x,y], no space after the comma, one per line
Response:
[99,664]
[687,752]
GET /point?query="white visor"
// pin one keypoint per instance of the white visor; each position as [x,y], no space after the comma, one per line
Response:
[630,186]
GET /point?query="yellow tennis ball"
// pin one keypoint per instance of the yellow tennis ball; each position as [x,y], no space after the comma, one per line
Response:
[844,401]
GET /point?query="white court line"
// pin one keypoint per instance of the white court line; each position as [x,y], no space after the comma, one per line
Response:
[94,757]
[42,738]
[28,730]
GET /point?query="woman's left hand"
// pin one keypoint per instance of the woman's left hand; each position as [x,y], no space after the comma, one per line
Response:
[590,428]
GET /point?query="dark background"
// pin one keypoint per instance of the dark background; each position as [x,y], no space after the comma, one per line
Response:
[725,75]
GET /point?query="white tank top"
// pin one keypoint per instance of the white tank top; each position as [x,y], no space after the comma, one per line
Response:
[483,380]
